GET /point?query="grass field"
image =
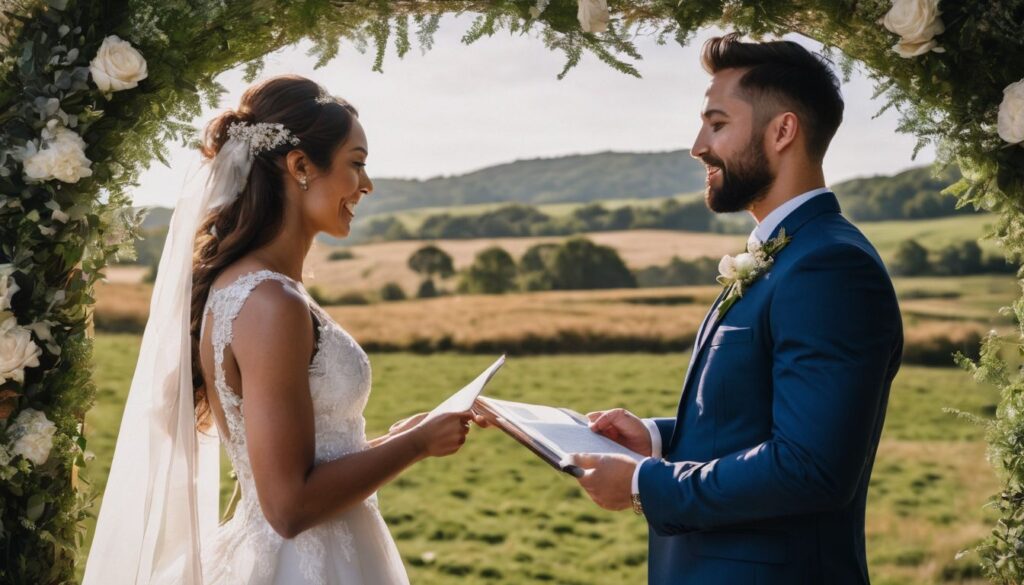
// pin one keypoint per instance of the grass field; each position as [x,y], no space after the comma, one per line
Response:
[495,514]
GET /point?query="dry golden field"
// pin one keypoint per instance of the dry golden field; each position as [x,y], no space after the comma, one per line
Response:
[376,264]
[653,320]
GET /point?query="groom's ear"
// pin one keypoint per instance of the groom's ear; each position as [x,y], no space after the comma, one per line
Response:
[782,132]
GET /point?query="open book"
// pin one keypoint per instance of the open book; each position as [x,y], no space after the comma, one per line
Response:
[554,434]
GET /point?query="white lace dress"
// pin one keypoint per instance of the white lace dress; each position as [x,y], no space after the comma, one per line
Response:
[352,548]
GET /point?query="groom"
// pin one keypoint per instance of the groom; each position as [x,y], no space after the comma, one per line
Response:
[762,475]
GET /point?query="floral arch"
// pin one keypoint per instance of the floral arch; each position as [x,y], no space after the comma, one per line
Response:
[91,89]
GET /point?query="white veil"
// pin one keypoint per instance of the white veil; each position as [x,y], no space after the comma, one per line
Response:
[161,499]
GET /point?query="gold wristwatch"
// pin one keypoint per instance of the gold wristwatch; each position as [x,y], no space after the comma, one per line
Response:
[637,506]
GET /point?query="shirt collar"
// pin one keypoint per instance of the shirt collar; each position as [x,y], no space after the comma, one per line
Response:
[764,230]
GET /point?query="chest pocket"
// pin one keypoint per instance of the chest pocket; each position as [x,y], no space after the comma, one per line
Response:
[726,334]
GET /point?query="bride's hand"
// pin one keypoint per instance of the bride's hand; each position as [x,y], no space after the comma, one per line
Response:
[406,423]
[442,435]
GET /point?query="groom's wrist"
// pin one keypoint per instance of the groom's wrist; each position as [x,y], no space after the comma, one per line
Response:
[652,430]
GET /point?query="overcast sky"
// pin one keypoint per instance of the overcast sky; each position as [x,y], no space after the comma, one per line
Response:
[460,108]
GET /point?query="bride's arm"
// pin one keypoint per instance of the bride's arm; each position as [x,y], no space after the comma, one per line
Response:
[273,342]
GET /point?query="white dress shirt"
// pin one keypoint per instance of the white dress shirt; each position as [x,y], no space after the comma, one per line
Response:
[761,233]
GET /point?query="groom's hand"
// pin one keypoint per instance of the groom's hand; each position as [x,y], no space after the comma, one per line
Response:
[623,427]
[607,479]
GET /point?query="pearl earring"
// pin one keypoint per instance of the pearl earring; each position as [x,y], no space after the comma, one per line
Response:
[302,181]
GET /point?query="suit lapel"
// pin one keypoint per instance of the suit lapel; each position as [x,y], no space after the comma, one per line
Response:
[710,322]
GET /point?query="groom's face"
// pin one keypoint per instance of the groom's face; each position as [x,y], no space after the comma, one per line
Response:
[731,146]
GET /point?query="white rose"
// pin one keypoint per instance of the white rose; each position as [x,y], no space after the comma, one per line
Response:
[7,286]
[745,264]
[17,350]
[61,156]
[33,436]
[593,15]
[917,22]
[117,66]
[1011,113]
[727,267]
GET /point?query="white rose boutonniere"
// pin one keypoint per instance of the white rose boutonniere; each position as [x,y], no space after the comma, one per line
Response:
[593,15]
[17,350]
[117,66]
[33,436]
[917,22]
[738,272]
[60,155]
[1011,113]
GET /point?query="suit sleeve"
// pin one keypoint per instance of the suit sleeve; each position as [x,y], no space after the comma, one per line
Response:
[835,331]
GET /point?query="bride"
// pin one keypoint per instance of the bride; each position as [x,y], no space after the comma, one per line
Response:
[236,348]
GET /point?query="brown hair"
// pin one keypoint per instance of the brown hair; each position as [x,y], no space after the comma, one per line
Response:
[783,74]
[254,218]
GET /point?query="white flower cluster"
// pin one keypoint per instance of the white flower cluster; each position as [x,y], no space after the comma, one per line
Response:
[262,136]
[744,268]
[32,436]
[917,22]
[1010,123]
[117,66]
[592,14]
[17,350]
[59,154]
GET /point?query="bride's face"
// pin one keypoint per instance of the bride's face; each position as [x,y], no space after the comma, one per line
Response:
[330,202]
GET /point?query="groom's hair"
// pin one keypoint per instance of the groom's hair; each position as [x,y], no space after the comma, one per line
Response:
[783,76]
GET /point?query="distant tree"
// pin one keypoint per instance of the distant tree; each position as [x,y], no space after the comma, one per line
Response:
[911,259]
[679,272]
[392,291]
[427,290]
[536,267]
[383,229]
[959,259]
[430,261]
[580,265]
[492,272]
[341,254]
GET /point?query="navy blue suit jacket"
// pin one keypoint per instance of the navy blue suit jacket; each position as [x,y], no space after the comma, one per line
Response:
[765,468]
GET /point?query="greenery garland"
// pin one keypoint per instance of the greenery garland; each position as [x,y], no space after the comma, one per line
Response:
[79,127]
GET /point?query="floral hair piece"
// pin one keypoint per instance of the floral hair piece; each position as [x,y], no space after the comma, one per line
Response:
[325,99]
[262,136]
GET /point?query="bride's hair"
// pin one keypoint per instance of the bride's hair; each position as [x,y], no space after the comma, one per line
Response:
[251,220]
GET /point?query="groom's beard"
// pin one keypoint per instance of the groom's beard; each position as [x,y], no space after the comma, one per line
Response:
[744,180]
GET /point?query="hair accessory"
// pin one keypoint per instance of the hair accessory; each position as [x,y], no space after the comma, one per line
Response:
[262,136]
[325,99]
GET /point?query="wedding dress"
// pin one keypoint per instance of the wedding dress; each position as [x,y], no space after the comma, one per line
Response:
[351,548]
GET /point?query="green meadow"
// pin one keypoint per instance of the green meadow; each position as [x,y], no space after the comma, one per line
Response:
[495,514]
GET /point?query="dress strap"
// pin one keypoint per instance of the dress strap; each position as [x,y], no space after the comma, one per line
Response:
[225,304]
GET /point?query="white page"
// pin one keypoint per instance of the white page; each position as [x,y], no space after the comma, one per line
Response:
[563,431]
[463,400]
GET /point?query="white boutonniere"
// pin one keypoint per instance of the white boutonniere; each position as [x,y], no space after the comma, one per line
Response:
[737,273]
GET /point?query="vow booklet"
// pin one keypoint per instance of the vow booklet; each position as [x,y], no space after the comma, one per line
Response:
[554,434]
[462,401]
